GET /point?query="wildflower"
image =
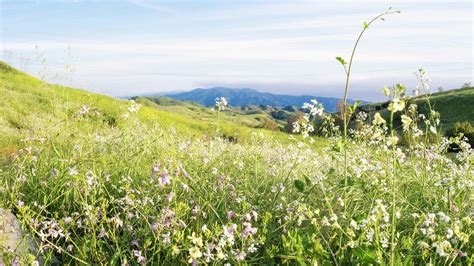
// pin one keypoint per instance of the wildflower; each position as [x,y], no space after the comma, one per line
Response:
[185,187]
[314,108]
[170,196]
[354,225]
[443,217]
[229,231]
[230,214]
[175,251]
[195,240]
[296,127]
[140,258]
[392,141]
[73,171]
[386,90]
[116,221]
[194,253]
[208,255]
[20,203]
[247,217]
[241,256]
[248,229]
[252,248]
[449,233]
[220,255]
[442,248]
[134,107]
[406,121]
[423,80]
[165,178]
[221,103]
[166,238]
[67,220]
[396,105]
[378,120]
[102,233]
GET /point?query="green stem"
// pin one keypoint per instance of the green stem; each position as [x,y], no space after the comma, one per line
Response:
[346,92]
[394,222]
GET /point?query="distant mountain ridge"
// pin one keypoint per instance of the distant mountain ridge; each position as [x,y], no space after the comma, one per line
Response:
[241,97]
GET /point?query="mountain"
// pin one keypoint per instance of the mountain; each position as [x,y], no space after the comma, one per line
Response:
[241,97]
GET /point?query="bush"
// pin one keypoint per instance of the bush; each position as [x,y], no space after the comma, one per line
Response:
[464,128]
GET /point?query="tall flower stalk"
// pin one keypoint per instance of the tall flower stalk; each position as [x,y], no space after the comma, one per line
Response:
[346,113]
[396,105]
[221,104]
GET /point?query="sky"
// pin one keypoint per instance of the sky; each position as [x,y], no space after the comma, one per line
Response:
[124,48]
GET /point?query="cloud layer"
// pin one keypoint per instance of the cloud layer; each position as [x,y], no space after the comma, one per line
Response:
[144,46]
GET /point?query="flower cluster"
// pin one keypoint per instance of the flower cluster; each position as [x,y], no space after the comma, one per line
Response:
[221,103]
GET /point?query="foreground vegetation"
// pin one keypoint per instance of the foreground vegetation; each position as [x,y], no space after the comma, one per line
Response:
[99,180]
[95,180]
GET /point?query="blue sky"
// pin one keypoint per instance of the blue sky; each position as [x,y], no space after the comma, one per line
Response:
[133,47]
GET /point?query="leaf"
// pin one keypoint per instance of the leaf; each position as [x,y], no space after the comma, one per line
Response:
[408,260]
[299,185]
[365,253]
[366,26]
[356,104]
[342,61]
[307,180]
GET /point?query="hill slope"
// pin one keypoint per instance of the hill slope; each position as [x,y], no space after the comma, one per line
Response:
[29,104]
[453,105]
[268,117]
[240,97]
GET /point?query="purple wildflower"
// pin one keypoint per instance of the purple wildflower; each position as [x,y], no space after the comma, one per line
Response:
[230,215]
[165,178]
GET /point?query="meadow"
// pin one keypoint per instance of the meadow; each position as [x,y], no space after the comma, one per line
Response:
[96,180]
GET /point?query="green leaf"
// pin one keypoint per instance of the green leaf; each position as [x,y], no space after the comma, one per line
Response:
[307,180]
[366,26]
[365,253]
[342,61]
[299,185]
[356,104]
[408,261]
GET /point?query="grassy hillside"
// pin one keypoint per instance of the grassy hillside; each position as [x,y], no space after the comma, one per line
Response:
[267,117]
[32,105]
[453,106]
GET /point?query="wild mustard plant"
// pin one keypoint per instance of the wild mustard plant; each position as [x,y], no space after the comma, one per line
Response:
[220,105]
[347,112]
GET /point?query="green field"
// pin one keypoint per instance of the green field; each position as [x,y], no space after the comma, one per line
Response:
[97,180]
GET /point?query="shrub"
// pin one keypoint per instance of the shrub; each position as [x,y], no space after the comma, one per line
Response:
[465,128]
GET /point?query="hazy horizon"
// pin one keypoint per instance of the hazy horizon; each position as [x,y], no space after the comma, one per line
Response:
[125,48]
